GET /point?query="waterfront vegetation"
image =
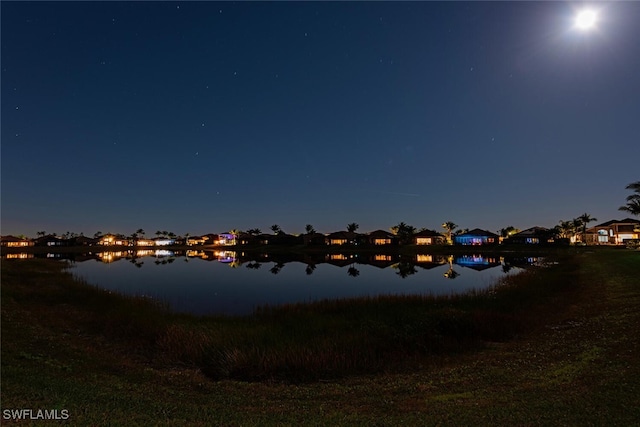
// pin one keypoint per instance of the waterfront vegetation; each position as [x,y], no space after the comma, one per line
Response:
[553,345]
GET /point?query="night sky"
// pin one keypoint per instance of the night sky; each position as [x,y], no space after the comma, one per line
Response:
[202,117]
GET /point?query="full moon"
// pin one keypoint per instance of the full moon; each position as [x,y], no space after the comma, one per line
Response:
[586,20]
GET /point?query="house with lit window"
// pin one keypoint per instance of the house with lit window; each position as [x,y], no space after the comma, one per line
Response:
[227,239]
[164,241]
[614,232]
[476,237]
[145,242]
[428,237]
[51,240]
[530,236]
[196,240]
[381,237]
[113,240]
[15,242]
[341,238]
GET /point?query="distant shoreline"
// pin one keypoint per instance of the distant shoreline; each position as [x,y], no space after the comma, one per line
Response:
[405,249]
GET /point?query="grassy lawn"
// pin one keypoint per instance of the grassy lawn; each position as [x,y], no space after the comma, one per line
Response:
[558,346]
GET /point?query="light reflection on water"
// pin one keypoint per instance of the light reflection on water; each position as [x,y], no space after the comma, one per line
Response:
[224,282]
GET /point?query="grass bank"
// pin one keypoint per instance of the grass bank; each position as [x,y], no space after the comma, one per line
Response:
[552,346]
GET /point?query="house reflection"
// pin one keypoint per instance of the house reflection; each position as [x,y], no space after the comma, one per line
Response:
[109,256]
[477,262]
[145,252]
[19,256]
[225,257]
[197,254]
[381,260]
[404,265]
[339,260]
[519,262]
[428,261]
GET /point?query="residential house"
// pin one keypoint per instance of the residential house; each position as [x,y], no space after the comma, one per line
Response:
[164,241]
[476,236]
[313,239]
[51,240]
[243,239]
[530,236]
[145,242]
[196,240]
[265,238]
[114,240]
[614,232]
[15,242]
[227,239]
[286,239]
[381,237]
[341,238]
[85,241]
[428,237]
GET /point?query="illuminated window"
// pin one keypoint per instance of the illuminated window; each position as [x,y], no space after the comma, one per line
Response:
[423,240]
[338,257]
[382,257]
[424,258]
[382,241]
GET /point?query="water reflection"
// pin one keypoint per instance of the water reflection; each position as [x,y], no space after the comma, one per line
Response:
[404,266]
[213,281]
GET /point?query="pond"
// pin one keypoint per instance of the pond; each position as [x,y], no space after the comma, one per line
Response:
[227,283]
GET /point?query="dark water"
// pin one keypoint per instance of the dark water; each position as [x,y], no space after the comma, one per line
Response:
[211,282]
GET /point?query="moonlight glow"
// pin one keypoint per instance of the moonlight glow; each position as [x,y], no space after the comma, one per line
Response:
[586,19]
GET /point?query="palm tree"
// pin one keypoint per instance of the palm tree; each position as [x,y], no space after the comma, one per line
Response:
[41,233]
[309,229]
[276,229]
[576,225]
[565,229]
[235,232]
[140,231]
[585,218]
[633,200]
[449,226]
[97,234]
[404,232]
[351,228]
[254,231]
[506,232]
[158,233]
